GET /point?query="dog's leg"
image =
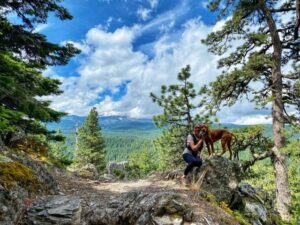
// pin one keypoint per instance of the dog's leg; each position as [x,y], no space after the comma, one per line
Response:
[208,148]
[212,148]
[223,143]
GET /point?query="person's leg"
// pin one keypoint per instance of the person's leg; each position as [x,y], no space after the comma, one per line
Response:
[192,161]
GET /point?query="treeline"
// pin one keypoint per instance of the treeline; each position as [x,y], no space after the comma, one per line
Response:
[119,146]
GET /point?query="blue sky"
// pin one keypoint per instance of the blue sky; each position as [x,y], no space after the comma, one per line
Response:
[129,49]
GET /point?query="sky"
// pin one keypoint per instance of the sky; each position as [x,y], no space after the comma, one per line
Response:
[129,49]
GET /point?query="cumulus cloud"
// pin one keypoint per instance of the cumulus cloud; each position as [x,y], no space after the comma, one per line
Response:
[109,60]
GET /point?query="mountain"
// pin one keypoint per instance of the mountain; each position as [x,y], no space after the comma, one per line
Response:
[68,124]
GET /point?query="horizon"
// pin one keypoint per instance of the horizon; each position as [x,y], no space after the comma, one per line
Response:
[149,118]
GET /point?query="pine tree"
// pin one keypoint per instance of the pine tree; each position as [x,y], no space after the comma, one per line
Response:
[265,47]
[24,54]
[90,145]
[179,116]
[59,150]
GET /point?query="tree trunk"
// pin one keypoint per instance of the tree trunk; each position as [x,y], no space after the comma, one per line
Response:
[283,195]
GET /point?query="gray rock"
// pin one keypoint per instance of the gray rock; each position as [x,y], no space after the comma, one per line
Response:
[88,171]
[11,204]
[55,210]
[141,208]
[255,204]
[2,145]
[17,136]
[41,171]
[116,166]
[106,178]
[217,176]
[154,208]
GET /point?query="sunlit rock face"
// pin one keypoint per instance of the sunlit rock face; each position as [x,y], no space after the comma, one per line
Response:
[160,208]
[218,176]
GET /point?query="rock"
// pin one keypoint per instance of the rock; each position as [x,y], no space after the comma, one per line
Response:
[55,210]
[106,178]
[217,176]
[255,204]
[112,167]
[153,208]
[88,171]
[2,145]
[12,203]
[42,172]
[18,136]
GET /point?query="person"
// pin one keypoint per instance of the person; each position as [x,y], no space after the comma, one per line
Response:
[194,146]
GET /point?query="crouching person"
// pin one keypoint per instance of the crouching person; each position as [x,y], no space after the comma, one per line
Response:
[191,153]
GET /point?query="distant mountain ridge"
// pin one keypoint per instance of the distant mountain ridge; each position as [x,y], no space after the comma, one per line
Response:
[107,123]
[116,123]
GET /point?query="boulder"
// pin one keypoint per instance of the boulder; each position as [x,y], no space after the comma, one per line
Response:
[155,208]
[217,176]
[55,210]
[255,204]
[113,167]
[88,171]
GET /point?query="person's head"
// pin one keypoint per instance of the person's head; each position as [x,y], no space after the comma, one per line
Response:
[197,129]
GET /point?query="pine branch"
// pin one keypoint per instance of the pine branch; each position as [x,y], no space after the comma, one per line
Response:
[256,158]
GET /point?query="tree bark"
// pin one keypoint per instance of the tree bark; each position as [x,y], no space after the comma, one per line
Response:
[283,195]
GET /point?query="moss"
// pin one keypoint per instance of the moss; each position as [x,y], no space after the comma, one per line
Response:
[13,173]
[226,208]
[241,218]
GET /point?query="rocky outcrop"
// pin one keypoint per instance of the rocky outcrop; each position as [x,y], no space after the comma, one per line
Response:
[255,204]
[42,171]
[220,179]
[217,176]
[55,210]
[161,208]
[21,181]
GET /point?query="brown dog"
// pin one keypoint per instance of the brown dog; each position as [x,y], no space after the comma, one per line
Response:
[211,136]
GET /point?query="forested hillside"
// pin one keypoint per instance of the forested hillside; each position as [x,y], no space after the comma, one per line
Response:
[123,135]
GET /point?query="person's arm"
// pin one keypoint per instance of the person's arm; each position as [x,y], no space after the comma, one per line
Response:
[195,147]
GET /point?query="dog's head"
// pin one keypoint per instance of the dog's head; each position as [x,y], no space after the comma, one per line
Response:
[203,130]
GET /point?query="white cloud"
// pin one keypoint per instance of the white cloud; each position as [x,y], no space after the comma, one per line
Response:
[254,120]
[41,27]
[167,17]
[108,60]
[153,3]
[143,13]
